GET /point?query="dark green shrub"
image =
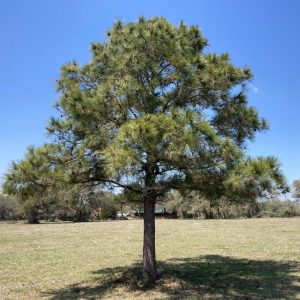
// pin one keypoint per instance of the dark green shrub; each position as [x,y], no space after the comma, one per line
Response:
[9,208]
[108,211]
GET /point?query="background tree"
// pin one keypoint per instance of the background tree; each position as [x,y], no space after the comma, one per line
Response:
[152,112]
[296,191]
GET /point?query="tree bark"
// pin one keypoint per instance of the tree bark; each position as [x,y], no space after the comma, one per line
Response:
[149,259]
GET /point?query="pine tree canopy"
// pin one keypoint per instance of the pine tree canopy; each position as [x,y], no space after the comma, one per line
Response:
[153,111]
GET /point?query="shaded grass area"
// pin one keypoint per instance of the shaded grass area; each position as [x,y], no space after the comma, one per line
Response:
[197,259]
[207,277]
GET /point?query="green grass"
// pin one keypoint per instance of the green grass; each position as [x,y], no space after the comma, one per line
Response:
[213,259]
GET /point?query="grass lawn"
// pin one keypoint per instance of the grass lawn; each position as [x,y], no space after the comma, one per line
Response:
[209,259]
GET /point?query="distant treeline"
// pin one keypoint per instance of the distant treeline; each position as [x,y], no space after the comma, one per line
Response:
[66,206]
[196,207]
[106,205]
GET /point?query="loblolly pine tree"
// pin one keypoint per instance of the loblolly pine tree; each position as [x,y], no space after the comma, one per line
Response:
[152,112]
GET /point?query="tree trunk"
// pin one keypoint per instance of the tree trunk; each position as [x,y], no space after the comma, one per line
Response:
[149,259]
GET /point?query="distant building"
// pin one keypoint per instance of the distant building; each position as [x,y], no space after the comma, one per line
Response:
[159,213]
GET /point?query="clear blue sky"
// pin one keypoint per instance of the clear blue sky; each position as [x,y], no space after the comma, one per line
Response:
[37,37]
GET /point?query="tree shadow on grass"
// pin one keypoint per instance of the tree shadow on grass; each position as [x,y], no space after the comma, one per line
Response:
[206,277]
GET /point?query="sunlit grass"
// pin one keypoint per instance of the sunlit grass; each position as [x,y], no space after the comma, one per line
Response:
[254,258]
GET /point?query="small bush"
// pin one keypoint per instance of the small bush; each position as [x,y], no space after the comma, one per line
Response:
[108,211]
[9,209]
